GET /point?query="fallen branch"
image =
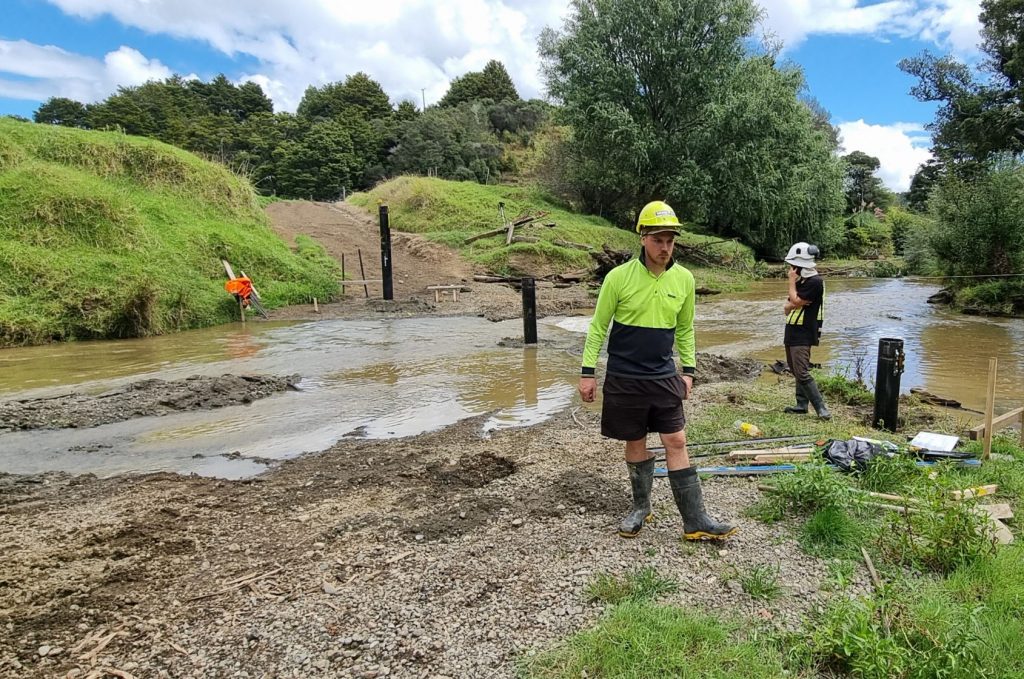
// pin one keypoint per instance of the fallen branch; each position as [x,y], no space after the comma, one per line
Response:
[574,417]
[103,643]
[237,584]
[575,246]
[486,234]
[871,570]
[396,559]
[877,582]
[101,672]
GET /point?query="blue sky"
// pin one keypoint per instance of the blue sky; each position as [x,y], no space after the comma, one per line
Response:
[85,49]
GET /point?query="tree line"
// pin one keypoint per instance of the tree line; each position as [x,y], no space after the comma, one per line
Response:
[343,137]
[671,100]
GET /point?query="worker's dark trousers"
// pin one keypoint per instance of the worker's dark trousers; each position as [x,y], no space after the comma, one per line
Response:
[799,360]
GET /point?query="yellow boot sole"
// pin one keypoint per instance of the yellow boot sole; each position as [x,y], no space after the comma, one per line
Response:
[624,534]
[701,535]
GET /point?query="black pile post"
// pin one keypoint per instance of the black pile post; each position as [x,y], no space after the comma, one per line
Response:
[887,383]
[385,254]
[529,311]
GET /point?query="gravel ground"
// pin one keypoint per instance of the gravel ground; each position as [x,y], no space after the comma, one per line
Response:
[444,554]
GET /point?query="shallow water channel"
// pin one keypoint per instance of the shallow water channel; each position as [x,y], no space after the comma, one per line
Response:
[392,377]
[373,379]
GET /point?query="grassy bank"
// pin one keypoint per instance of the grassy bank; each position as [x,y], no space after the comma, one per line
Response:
[950,602]
[104,235]
[992,298]
[449,212]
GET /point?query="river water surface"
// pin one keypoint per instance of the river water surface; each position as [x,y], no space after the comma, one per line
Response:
[397,377]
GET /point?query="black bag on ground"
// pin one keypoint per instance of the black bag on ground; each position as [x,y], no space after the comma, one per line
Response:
[852,454]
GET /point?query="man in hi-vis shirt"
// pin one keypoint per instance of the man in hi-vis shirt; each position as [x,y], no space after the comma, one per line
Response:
[651,300]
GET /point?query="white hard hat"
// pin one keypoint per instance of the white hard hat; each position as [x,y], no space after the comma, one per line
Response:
[802,255]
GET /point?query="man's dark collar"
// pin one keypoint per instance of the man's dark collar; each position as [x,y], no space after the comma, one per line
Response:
[643,259]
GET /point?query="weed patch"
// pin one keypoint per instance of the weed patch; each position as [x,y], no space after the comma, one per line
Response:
[642,585]
[639,639]
[833,532]
[762,582]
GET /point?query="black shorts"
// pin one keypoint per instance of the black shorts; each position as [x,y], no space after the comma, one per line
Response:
[632,407]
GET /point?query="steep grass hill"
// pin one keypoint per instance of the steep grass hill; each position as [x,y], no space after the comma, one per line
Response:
[449,212]
[105,235]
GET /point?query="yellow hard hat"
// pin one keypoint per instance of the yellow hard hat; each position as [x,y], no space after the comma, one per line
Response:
[657,217]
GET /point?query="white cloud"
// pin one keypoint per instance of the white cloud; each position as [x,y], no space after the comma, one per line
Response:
[45,71]
[411,45]
[900,148]
[950,24]
[407,45]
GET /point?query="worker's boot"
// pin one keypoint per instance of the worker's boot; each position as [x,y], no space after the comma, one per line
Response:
[801,402]
[811,389]
[641,478]
[697,525]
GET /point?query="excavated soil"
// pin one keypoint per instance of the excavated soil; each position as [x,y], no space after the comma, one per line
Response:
[139,399]
[346,230]
[445,554]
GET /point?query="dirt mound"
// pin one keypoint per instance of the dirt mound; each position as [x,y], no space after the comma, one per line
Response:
[139,399]
[347,230]
[716,368]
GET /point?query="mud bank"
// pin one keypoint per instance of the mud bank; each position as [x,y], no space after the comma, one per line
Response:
[140,399]
[444,554]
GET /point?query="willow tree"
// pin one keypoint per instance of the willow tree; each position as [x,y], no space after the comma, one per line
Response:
[666,101]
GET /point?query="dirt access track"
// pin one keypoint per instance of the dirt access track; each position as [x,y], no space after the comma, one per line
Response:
[344,229]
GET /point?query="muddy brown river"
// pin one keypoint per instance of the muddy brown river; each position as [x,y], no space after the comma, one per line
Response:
[392,377]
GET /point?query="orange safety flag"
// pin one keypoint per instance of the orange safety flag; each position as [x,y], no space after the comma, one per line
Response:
[240,286]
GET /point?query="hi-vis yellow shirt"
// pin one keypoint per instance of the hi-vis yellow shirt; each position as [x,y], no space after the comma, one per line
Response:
[651,314]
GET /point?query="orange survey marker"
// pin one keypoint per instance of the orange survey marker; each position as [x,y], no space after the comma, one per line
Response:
[241,288]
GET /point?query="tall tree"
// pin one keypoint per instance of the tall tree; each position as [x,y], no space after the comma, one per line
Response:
[921,185]
[493,83]
[663,97]
[981,112]
[864,191]
[359,95]
[62,111]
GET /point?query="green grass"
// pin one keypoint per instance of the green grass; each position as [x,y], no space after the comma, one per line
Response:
[449,212]
[641,640]
[1000,298]
[104,235]
[642,585]
[761,582]
[951,605]
[834,532]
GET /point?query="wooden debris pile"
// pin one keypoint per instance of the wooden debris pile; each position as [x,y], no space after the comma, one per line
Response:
[508,229]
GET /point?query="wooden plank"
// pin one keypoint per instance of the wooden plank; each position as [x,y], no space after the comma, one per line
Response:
[525,239]
[1001,533]
[998,422]
[979,491]
[228,270]
[787,450]
[998,511]
[788,457]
